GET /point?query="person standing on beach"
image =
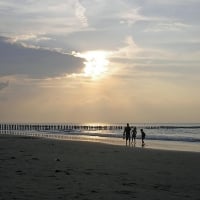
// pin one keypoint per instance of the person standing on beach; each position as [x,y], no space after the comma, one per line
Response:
[143,136]
[134,133]
[127,133]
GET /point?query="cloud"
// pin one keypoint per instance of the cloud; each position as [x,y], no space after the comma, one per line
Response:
[129,50]
[131,16]
[27,37]
[36,62]
[33,41]
[167,26]
[175,2]
[42,16]
[80,13]
[4,85]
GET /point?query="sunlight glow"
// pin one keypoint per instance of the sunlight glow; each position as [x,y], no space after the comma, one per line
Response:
[96,63]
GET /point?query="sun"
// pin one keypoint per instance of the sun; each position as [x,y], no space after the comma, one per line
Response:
[96,63]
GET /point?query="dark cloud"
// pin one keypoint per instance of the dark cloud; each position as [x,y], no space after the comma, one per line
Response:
[3,85]
[36,63]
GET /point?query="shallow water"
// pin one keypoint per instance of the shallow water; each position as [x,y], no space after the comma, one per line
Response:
[179,145]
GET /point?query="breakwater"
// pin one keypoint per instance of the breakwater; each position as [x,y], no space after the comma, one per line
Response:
[56,127]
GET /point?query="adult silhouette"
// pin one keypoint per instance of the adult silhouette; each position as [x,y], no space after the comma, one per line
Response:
[127,133]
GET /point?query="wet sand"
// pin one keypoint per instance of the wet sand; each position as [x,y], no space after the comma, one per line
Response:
[39,168]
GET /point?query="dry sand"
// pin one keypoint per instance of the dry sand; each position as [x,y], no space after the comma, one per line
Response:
[38,168]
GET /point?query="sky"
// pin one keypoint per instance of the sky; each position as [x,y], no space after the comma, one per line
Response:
[100,61]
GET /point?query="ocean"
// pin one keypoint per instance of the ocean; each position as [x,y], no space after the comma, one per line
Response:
[187,132]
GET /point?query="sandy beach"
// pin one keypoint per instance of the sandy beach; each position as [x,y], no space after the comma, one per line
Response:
[39,168]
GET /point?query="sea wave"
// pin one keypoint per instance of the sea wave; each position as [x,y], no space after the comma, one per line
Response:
[149,136]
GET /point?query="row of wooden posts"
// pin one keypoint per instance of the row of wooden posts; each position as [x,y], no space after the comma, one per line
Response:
[55,127]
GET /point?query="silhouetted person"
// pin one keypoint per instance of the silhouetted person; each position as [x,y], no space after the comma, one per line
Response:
[143,136]
[127,133]
[134,133]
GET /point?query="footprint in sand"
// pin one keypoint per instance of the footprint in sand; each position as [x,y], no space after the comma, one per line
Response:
[125,192]
[35,158]
[129,184]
